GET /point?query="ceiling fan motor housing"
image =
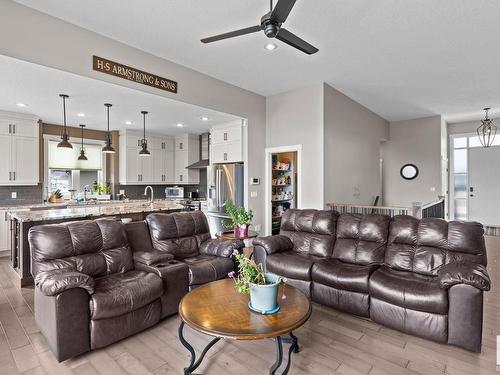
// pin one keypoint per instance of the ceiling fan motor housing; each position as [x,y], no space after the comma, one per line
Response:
[271,28]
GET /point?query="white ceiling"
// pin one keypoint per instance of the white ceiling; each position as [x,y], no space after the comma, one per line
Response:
[39,87]
[400,58]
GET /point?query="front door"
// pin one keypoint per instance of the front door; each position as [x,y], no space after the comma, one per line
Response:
[484,185]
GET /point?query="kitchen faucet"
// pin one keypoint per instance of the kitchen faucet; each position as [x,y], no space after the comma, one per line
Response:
[86,189]
[152,193]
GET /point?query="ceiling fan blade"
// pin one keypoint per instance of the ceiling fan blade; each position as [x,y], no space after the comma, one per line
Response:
[232,34]
[282,10]
[293,40]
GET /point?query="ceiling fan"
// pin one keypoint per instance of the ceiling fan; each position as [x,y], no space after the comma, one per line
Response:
[271,23]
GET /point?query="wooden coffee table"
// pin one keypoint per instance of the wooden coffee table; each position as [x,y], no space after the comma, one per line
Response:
[218,310]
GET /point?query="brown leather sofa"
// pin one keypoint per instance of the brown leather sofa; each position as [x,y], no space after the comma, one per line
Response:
[423,277]
[97,282]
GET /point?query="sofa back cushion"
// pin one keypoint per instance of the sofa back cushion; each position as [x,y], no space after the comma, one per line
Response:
[361,239]
[311,231]
[422,246]
[95,248]
[180,234]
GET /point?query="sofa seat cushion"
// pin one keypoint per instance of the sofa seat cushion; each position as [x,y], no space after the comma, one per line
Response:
[121,293]
[291,264]
[409,290]
[341,275]
[206,268]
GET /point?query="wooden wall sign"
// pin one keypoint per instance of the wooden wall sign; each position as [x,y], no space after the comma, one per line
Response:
[123,71]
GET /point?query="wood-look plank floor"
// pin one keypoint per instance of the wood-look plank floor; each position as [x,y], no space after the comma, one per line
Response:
[332,343]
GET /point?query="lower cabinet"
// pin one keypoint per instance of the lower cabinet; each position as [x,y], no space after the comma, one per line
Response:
[4,231]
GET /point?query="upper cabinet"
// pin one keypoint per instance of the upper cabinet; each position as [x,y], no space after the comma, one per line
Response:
[19,142]
[166,164]
[187,152]
[158,168]
[226,143]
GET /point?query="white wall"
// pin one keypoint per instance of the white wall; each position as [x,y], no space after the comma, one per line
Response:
[468,126]
[296,118]
[417,142]
[352,136]
[51,42]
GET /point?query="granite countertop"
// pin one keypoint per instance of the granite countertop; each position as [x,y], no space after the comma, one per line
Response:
[90,211]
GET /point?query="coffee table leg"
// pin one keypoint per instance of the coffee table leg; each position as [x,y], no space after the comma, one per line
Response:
[192,364]
[294,347]
[279,356]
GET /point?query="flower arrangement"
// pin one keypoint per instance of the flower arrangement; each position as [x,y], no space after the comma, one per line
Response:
[239,218]
[249,273]
[238,215]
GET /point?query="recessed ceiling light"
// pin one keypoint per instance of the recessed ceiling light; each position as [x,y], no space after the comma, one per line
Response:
[80,114]
[128,122]
[180,124]
[271,46]
[21,105]
[204,118]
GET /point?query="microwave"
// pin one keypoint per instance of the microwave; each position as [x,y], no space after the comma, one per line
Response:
[174,192]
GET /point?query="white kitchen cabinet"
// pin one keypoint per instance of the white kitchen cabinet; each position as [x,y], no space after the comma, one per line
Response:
[4,231]
[187,151]
[226,143]
[23,167]
[18,150]
[158,168]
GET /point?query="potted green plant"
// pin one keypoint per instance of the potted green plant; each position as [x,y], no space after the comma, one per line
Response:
[239,219]
[262,287]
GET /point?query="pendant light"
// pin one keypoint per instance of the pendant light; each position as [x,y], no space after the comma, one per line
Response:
[64,137]
[486,132]
[82,150]
[108,149]
[144,151]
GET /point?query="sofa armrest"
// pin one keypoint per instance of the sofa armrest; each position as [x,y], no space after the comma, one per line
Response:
[221,248]
[274,244]
[152,257]
[56,281]
[472,274]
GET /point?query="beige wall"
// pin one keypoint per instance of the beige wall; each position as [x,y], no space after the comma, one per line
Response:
[32,36]
[352,136]
[417,142]
[296,118]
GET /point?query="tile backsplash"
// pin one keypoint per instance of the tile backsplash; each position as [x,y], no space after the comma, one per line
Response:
[25,195]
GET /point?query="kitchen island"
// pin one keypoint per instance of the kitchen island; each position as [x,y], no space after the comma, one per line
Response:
[21,220]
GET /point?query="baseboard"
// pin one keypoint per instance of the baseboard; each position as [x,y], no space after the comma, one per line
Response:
[4,253]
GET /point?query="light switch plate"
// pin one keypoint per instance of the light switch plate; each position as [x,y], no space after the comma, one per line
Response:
[122,191]
[253,194]
[13,194]
[257,227]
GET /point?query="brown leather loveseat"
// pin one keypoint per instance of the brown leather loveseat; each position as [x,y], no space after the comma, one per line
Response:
[97,282]
[423,277]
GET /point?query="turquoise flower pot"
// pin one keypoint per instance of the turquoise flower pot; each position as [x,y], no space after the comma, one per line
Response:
[264,298]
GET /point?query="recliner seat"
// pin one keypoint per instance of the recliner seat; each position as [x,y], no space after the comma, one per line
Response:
[97,282]
[423,277]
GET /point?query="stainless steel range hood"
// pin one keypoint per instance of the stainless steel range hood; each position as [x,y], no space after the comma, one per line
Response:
[204,153]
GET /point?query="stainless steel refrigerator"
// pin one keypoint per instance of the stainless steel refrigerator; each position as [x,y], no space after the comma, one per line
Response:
[225,182]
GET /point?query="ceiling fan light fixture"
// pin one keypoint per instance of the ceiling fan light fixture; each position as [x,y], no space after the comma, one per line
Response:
[270,46]
[487,131]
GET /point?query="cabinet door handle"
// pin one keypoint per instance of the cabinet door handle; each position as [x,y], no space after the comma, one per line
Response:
[10,176]
[180,177]
[14,176]
[225,155]
[14,130]
[225,136]
[10,128]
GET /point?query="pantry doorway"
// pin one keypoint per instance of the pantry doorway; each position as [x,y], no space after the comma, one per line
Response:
[282,184]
